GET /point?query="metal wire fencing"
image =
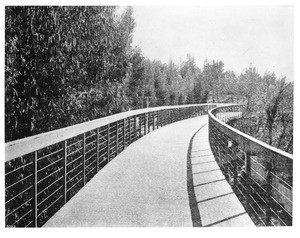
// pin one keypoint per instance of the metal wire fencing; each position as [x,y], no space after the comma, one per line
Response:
[259,174]
[39,182]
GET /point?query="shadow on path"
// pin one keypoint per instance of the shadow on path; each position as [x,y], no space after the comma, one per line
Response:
[212,201]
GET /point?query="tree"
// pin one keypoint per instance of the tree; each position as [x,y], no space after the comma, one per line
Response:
[64,65]
[269,112]
[32,81]
[160,84]
[248,83]
[135,89]
[213,74]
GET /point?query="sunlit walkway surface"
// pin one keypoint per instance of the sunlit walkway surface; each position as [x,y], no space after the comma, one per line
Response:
[146,185]
[216,202]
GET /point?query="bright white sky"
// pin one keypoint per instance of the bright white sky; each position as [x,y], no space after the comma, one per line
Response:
[237,35]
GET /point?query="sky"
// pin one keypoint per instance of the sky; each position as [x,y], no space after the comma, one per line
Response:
[237,35]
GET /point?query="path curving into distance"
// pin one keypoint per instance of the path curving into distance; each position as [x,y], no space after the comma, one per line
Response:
[146,185]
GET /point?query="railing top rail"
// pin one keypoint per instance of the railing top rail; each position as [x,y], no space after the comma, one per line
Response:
[30,144]
[248,137]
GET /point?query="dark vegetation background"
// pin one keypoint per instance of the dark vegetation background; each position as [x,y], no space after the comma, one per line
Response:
[67,65]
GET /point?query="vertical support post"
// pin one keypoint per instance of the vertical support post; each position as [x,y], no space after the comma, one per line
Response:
[234,172]
[247,175]
[97,149]
[124,134]
[145,127]
[129,121]
[168,117]
[148,117]
[219,153]
[153,124]
[247,163]
[174,117]
[117,137]
[108,140]
[135,130]
[35,191]
[83,157]
[140,126]
[268,189]
[65,171]
[165,117]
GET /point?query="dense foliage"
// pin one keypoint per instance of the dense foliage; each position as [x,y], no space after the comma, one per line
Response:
[269,108]
[66,65]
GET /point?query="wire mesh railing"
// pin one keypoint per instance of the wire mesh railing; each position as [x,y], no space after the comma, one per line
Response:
[44,172]
[259,174]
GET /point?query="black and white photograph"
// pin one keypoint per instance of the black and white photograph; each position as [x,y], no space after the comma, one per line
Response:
[126,115]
